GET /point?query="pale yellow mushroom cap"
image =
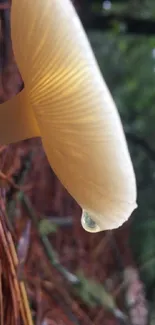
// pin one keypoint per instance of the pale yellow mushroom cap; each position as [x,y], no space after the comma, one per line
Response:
[73,111]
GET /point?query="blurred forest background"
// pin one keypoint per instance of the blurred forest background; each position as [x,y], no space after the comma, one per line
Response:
[72,277]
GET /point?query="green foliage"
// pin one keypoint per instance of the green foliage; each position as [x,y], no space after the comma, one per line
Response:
[128,66]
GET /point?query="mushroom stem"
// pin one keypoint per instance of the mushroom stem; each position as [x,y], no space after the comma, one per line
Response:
[17,123]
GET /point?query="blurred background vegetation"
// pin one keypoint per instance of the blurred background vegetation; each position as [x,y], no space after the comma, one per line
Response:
[73,277]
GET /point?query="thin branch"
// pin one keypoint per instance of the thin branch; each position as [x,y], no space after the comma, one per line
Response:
[71,278]
[127,24]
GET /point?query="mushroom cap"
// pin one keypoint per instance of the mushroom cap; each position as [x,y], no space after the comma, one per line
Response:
[77,118]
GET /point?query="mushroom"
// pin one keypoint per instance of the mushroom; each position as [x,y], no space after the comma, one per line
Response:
[67,103]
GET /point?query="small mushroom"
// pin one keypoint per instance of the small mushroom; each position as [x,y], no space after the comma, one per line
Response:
[67,103]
